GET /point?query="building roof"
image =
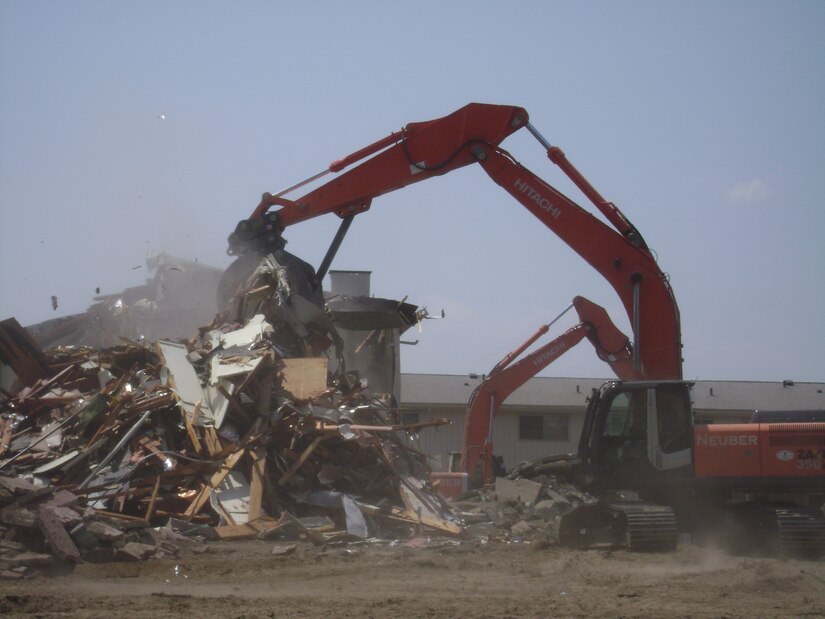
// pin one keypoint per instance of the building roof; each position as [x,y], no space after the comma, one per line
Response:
[717,395]
[758,395]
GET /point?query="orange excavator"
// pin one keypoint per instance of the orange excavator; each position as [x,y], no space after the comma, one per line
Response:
[611,345]
[638,433]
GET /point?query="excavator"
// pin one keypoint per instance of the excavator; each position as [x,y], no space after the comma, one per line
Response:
[611,345]
[639,444]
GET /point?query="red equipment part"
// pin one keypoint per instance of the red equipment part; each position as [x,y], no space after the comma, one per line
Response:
[760,450]
[611,345]
[472,135]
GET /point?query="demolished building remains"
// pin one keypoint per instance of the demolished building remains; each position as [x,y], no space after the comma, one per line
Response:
[251,428]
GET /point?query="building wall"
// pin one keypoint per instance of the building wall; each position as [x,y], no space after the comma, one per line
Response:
[440,441]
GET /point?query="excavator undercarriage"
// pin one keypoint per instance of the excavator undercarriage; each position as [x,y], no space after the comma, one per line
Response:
[633,524]
[623,520]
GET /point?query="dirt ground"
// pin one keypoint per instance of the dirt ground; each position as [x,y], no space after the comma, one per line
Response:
[245,580]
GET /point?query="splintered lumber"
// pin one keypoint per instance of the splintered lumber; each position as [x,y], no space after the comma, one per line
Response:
[214,481]
[189,422]
[300,461]
[152,500]
[256,485]
[217,478]
[210,439]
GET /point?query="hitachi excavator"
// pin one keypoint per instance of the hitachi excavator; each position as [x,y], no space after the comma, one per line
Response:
[638,434]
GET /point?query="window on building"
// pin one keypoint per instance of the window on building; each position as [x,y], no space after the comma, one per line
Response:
[544,427]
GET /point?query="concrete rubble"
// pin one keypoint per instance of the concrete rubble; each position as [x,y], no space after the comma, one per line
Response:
[254,427]
[524,507]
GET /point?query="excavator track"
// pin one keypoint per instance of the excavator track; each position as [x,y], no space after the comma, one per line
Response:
[635,525]
[801,532]
[650,528]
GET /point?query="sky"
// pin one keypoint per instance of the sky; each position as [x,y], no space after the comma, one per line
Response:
[127,127]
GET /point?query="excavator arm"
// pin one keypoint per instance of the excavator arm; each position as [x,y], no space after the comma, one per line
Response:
[472,134]
[418,152]
[611,346]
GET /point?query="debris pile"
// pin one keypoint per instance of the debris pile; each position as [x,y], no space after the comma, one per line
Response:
[251,429]
[525,506]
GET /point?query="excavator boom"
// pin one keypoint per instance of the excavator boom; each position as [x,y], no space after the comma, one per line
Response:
[419,151]
[472,134]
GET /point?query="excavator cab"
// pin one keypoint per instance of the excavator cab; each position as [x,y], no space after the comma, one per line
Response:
[636,431]
[635,434]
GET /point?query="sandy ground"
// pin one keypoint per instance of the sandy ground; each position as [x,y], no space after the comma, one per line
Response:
[245,580]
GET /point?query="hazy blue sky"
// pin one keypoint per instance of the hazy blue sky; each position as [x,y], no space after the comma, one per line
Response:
[703,121]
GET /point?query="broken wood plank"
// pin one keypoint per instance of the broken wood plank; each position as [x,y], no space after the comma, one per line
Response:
[43,386]
[300,461]
[214,481]
[152,500]
[190,428]
[108,421]
[256,485]
[211,441]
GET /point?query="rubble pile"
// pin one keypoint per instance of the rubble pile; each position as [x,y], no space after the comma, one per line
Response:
[45,527]
[525,506]
[250,429]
